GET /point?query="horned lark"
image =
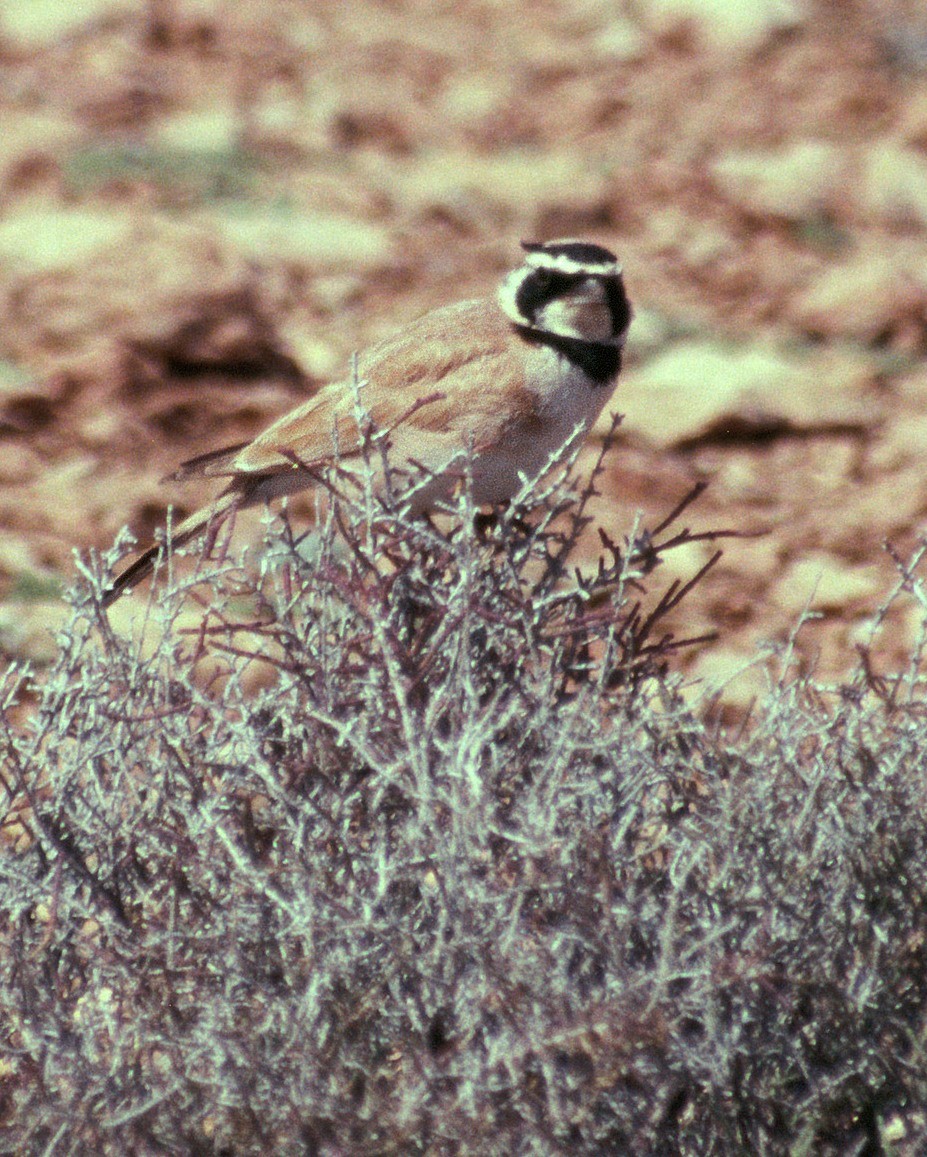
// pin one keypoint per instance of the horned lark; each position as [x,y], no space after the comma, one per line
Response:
[508,378]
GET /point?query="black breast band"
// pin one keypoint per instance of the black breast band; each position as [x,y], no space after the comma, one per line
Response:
[599,360]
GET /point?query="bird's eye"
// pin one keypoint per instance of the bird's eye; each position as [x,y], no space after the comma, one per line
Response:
[543,278]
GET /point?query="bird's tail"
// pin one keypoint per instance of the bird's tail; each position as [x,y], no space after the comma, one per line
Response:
[209,517]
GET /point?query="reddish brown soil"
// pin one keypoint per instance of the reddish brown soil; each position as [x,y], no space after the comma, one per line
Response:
[204,202]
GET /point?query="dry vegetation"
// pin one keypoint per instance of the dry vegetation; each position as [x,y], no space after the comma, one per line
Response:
[470,855]
[413,846]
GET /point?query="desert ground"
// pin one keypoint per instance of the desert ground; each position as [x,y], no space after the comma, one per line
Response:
[206,206]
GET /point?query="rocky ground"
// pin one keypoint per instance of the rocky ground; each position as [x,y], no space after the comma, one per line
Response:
[205,200]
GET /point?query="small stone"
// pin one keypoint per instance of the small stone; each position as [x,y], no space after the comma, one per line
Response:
[42,22]
[524,177]
[821,582]
[17,555]
[52,238]
[735,679]
[311,238]
[216,129]
[319,360]
[698,389]
[619,39]
[725,24]
[793,183]
[686,560]
[902,442]
[100,427]
[893,185]
[650,332]
[27,629]
[879,290]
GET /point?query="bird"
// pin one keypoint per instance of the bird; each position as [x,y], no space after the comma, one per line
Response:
[507,379]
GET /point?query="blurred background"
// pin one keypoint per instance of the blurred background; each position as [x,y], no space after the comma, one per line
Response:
[207,205]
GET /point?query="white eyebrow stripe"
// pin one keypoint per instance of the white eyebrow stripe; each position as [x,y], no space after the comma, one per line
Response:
[560,263]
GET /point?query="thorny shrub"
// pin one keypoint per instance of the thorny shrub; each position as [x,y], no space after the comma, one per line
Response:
[460,873]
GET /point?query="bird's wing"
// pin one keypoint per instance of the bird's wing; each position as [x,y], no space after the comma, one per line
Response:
[436,386]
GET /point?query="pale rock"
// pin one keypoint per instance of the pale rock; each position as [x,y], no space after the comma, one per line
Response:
[794,182]
[275,115]
[911,387]
[650,331]
[17,554]
[912,626]
[727,682]
[731,676]
[318,359]
[903,442]
[893,185]
[697,244]
[754,558]
[620,39]
[27,629]
[333,292]
[878,289]
[51,238]
[668,227]
[699,388]
[13,379]
[101,427]
[706,245]
[34,24]
[820,582]
[534,181]
[468,98]
[312,238]
[881,509]
[683,562]
[739,478]
[725,24]
[826,389]
[205,12]
[214,129]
